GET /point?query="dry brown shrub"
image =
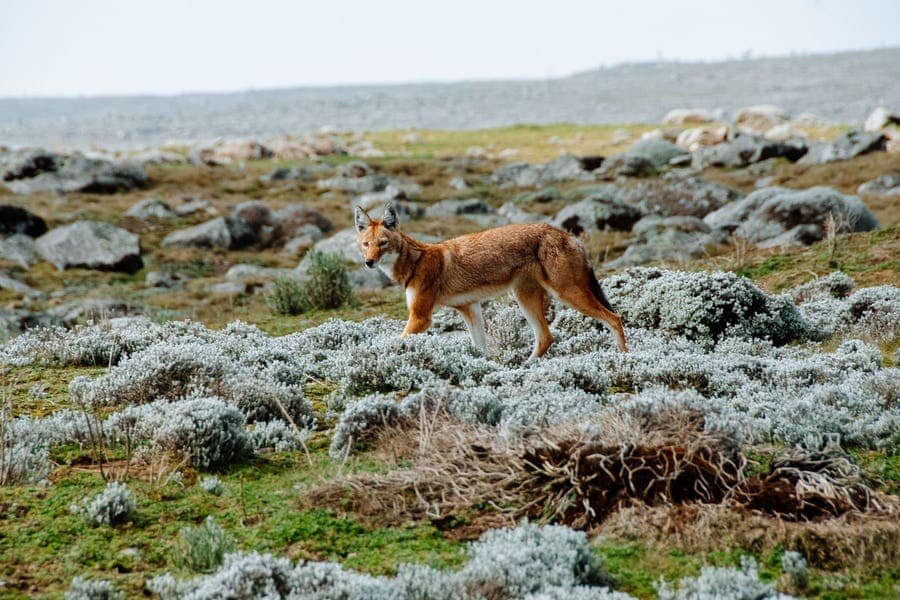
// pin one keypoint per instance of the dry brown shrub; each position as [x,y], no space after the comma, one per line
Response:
[852,540]
[560,474]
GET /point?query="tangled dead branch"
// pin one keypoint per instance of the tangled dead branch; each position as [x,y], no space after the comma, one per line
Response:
[564,475]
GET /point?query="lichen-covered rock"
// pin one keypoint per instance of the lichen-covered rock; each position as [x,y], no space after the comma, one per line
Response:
[599,211]
[684,116]
[695,138]
[746,149]
[666,239]
[211,234]
[760,118]
[19,249]
[454,207]
[678,196]
[150,208]
[880,118]
[659,152]
[846,146]
[885,185]
[43,171]
[91,245]
[626,165]
[522,174]
[779,216]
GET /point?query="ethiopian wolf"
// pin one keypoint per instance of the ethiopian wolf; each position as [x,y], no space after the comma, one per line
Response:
[528,259]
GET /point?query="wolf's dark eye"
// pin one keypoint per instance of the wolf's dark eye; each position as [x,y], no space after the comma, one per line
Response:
[382,243]
[365,244]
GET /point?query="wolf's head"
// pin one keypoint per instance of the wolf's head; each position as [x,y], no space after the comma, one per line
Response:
[377,238]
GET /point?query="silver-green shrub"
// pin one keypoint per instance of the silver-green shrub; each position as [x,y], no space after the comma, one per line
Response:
[325,285]
[202,549]
[212,485]
[206,432]
[794,565]
[286,296]
[277,435]
[113,506]
[703,307]
[718,583]
[92,589]
[527,561]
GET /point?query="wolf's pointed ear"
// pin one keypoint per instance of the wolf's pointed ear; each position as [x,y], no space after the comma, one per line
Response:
[390,219]
[362,218]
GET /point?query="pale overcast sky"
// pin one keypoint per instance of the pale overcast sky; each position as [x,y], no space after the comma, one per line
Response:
[88,47]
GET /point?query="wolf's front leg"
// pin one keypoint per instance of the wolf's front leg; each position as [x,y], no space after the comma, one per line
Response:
[420,309]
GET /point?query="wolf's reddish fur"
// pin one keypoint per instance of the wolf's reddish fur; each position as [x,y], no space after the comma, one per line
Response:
[530,260]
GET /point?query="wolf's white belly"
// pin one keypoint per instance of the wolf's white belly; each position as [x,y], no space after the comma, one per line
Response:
[476,295]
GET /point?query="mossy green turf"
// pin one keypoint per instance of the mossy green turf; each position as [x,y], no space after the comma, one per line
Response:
[45,545]
[42,544]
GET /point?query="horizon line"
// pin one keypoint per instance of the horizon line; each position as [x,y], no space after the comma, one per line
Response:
[427,82]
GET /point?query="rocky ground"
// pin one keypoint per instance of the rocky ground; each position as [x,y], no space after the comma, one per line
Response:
[754,262]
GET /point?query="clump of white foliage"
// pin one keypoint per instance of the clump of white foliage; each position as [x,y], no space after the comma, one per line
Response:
[277,435]
[92,589]
[722,582]
[704,307]
[832,307]
[24,449]
[212,485]
[202,549]
[527,561]
[796,568]
[833,285]
[360,420]
[100,344]
[113,506]
[205,432]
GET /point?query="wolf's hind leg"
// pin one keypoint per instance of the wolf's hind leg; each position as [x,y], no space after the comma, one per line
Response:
[472,315]
[532,300]
[585,302]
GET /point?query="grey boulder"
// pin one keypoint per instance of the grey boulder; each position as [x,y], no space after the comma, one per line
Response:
[459,207]
[600,211]
[294,220]
[746,149]
[626,165]
[846,146]
[513,213]
[19,249]
[305,174]
[658,151]
[885,185]
[91,245]
[150,208]
[523,174]
[783,217]
[670,240]
[670,196]
[211,234]
[49,172]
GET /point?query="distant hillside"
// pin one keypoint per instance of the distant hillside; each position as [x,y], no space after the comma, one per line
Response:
[841,87]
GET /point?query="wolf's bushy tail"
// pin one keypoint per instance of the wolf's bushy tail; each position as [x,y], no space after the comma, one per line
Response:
[598,291]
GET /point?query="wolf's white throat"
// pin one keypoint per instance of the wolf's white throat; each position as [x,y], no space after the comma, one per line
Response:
[386,264]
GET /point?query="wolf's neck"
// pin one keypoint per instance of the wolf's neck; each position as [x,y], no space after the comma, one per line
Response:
[407,259]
